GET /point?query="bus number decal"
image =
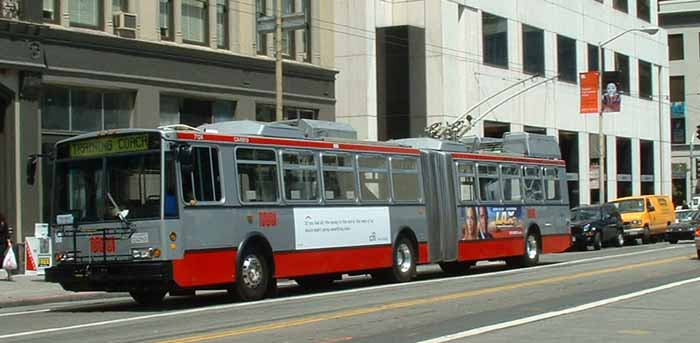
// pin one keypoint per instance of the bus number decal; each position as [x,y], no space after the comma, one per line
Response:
[267,219]
[318,228]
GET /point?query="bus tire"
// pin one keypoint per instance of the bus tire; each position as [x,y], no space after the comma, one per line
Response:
[455,268]
[404,256]
[148,297]
[254,276]
[531,256]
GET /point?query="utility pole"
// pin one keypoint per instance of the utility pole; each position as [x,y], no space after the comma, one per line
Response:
[278,61]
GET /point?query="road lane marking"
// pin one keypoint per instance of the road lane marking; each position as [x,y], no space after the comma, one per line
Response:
[411,303]
[325,294]
[549,315]
[24,312]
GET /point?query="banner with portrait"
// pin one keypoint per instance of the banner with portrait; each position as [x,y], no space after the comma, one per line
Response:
[490,222]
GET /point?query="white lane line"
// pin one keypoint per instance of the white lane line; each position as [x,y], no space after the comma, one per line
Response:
[317,295]
[548,315]
[25,312]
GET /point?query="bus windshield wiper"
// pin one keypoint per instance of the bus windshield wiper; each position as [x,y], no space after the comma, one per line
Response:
[119,213]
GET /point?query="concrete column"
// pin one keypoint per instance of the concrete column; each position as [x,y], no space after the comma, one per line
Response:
[636,167]
[177,21]
[146,108]
[611,167]
[213,32]
[584,165]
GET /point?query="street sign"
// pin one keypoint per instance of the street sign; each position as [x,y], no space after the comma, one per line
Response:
[290,22]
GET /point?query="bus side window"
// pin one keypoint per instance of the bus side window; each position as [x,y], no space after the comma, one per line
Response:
[338,177]
[300,176]
[533,184]
[512,190]
[552,184]
[257,175]
[204,182]
[374,178]
[489,189]
[467,181]
[404,174]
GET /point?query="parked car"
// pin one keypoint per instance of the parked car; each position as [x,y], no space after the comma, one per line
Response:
[697,241]
[596,225]
[684,227]
[646,216]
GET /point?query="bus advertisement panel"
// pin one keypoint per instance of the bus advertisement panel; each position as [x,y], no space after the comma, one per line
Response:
[490,222]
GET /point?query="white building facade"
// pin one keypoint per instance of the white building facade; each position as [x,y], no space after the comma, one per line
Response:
[404,65]
[681,18]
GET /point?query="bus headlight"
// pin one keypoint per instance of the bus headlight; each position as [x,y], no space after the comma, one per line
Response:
[141,253]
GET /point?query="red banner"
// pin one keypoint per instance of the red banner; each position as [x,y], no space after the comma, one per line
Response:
[590,92]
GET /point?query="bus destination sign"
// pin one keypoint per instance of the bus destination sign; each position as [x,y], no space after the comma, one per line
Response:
[109,145]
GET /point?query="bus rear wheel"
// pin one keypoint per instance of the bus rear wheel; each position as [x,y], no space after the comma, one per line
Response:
[404,263]
[254,276]
[531,256]
[148,297]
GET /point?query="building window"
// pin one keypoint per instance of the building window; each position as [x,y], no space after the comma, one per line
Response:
[288,37]
[495,40]
[677,88]
[261,40]
[120,6]
[165,20]
[678,131]
[675,47]
[266,113]
[78,109]
[195,21]
[533,50]
[620,5]
[622,64]
[566,59]
[194,112]
[85,13]
[645,80]
[50,11]
[643,10]
[593,58]
[221,24]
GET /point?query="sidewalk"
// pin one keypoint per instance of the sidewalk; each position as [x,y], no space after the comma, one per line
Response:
[26,290]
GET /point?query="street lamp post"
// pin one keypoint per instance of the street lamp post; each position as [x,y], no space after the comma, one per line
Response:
[601,136]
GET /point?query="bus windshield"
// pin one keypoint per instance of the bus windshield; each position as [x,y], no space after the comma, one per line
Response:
[97,177]
[630,206]
[96,189]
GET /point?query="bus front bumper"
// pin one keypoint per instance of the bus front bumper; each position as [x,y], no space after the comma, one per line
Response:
[111,277]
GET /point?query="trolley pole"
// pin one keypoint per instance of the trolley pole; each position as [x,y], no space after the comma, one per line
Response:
[278,61]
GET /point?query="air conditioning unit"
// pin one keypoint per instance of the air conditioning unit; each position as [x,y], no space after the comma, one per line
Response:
[125,21]
[47,14]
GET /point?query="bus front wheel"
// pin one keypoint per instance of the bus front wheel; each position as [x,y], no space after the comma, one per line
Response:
[254,277]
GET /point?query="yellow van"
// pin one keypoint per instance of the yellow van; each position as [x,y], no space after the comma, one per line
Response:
[646,216]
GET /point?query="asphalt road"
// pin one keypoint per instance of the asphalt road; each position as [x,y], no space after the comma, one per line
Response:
[631,294]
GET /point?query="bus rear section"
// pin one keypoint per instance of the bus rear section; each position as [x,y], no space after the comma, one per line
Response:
[497,200]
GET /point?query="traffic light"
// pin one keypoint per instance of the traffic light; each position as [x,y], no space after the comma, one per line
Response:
[697,131]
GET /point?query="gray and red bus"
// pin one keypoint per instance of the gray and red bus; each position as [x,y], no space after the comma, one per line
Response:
[239,205]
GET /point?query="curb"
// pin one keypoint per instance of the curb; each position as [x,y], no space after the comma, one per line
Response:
[61,298]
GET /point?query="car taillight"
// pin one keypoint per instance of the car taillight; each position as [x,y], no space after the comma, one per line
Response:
[697,232]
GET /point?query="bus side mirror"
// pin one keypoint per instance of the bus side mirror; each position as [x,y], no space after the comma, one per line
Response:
[31,169]
[184,156]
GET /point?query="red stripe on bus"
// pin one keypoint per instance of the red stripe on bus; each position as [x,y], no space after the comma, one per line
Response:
[208,137]
[205,268]
[555,243]
[493,158]
[303,263]
[423,253]
[490,249]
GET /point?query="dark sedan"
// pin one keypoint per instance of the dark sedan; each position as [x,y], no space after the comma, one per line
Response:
[596,225]
[684,227]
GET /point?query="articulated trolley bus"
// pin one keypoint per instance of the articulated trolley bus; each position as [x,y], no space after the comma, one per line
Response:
[238,205]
